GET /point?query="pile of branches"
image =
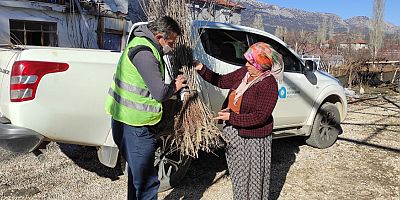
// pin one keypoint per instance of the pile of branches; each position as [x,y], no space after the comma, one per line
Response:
[194,127]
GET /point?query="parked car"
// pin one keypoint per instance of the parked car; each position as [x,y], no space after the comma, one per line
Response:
[58,94]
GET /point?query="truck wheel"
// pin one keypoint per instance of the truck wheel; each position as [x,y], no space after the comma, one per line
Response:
[170,165]
[326,127]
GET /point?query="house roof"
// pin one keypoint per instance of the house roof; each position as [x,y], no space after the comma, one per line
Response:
[226,3]
[360,41]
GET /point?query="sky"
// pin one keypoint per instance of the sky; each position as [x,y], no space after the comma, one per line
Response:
[344,8]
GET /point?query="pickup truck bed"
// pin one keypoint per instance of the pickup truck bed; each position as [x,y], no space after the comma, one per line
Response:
[61,106]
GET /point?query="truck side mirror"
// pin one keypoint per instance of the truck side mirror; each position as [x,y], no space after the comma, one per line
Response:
[311,65]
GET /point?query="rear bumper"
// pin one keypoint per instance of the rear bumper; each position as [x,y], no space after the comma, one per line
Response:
[18,139]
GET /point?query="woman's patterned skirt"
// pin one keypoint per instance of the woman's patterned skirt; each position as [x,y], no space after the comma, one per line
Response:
[249,164]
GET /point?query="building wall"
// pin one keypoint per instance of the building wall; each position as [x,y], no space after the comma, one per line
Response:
[360,46]
[71,28]
[116,28]
[354,46]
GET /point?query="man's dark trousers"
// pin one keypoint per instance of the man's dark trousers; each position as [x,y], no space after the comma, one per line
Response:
[137,145]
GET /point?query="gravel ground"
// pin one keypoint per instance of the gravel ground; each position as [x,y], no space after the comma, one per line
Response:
[363,164]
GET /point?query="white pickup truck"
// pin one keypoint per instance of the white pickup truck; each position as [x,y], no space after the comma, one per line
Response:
[58,94]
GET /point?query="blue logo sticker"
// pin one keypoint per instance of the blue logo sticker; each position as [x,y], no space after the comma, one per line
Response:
[282,93]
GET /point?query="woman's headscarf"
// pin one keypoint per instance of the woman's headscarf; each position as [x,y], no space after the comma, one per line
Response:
[264,58]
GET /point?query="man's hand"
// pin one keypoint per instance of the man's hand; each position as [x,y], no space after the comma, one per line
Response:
[180,82]
[197,65]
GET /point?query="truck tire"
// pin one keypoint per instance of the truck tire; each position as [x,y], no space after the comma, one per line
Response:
[326,127]
[170,165]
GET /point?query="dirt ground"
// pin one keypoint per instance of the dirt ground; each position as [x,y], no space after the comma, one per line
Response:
[363,164]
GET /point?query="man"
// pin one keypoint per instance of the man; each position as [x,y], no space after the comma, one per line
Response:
[135,101]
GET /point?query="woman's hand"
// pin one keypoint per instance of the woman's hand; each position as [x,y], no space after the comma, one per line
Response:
[197,65]
[223,114]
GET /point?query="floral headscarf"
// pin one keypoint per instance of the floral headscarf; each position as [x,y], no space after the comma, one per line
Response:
[264,58]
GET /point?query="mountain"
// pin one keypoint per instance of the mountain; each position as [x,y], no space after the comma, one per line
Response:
[295,19]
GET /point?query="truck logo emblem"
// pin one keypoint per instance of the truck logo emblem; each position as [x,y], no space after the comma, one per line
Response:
[282,93]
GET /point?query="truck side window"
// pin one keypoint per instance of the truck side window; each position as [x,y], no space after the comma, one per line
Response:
[292,63]
[228,46]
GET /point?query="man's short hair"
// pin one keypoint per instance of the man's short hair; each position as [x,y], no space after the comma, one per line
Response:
[165,25]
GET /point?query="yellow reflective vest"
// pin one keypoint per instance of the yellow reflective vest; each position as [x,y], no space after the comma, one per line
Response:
[129,100]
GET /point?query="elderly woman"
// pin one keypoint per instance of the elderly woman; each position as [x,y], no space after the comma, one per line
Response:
[247,112]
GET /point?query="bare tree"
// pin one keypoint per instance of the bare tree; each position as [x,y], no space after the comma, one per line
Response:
[322,31]
[331,30]
[258,22]
[354,61]
[377,33]
[303,42]
[285,32]
[281,32]
[278,32]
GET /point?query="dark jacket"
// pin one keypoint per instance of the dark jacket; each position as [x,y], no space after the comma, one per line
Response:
[149,67]
[255,116]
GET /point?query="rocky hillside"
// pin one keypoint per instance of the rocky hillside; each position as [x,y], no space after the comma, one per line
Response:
[295,19]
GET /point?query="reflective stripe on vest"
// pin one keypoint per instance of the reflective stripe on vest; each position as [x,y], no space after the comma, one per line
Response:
[131,104]
[131,88]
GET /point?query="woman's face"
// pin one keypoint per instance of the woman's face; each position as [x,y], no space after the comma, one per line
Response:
[252,70]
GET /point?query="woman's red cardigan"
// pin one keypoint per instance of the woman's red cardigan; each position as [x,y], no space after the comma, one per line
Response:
[255,116]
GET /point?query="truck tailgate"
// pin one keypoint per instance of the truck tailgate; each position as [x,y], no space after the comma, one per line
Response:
[69,105]
[7,58]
